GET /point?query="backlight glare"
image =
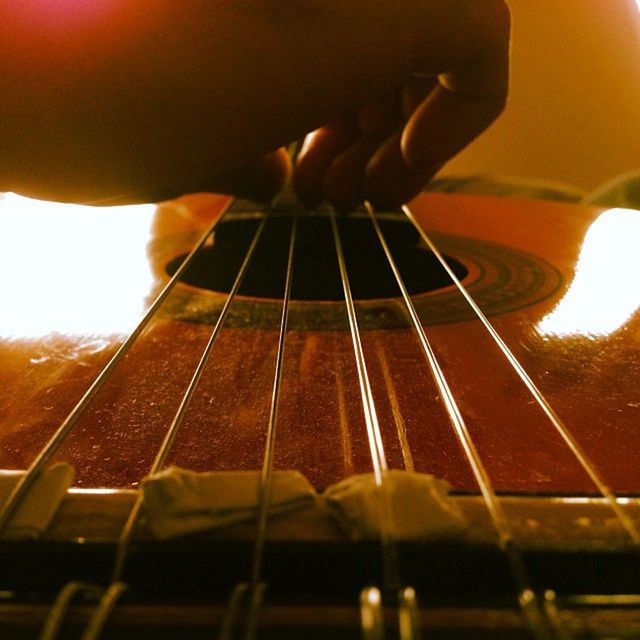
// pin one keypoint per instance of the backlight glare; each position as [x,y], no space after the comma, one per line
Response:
[72,269]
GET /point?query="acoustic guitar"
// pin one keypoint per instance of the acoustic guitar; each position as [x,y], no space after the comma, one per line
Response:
[492,343]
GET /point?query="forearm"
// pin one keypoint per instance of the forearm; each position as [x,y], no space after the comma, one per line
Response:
[153,95]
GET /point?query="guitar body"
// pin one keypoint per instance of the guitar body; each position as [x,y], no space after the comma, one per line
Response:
[556,281]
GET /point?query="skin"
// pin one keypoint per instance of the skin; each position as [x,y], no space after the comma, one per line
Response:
[134,100]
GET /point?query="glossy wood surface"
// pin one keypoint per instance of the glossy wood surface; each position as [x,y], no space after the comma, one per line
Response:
[579,343]
[558,282]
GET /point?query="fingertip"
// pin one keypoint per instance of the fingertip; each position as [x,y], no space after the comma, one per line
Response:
[275,169]
[308,199]
[343,183]
[342,195]
[389,198]
[445,123]
[318,154]
[307,178]
[415,149]
[389,181]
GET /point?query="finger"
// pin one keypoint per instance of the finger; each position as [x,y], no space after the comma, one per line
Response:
[470,95]
[343,183]
[415,91]
[323,147]
[260,180]
[381,117]
[443,125]
[389,181]
[319,151]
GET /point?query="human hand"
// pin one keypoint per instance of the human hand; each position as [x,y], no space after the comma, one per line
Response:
[150,99]
[387,149]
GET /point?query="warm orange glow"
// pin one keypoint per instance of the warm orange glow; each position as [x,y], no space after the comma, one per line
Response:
[604,293]
[72,13]
[71,269]
[60,28]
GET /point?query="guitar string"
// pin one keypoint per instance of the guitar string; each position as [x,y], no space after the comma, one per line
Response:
[22,487]
[108,602]
[374,435]
[526,596]
[137,333]
[372,621]
[266,476]
[255,589]
[559,425]
[61,603]
[178,419]
[117,588]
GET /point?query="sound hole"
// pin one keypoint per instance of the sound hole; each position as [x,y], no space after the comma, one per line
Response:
[316,275]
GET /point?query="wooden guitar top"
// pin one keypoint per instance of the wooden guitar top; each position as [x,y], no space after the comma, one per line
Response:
[558,284]
[556,281]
